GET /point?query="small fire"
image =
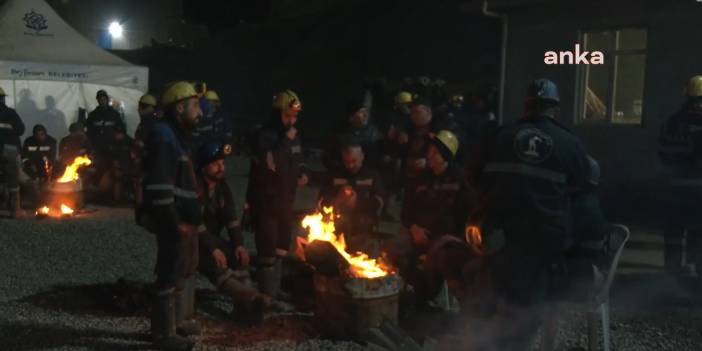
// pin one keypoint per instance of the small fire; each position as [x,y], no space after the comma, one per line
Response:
[45,211]
[71,172]
[320,226]
[65,210]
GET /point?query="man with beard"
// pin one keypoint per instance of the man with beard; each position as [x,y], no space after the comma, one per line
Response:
[356,193]
[276,172]
[225,262]
[172,211]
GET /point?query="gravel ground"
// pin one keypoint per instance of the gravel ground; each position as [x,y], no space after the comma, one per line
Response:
[54,274]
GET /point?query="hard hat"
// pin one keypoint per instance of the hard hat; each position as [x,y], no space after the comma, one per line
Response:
[2,92]
[211,95]
[456,98]
[287,99]
[210,152]
[543,89]
[101,93]
[177,92]
[448,140]
[694,87]
[148,99]
[403,97]
[594,172]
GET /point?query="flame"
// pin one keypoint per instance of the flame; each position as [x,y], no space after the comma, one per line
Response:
[65,210]
[320,226]
[43,211]
[71,172]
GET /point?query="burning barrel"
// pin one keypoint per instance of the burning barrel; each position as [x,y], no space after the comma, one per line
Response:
[353,292]
[65,194]
[347,307]
[69,194]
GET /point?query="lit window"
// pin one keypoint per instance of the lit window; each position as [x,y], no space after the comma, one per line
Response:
[613,92]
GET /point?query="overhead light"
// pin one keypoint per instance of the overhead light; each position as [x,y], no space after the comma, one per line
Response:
[115,30]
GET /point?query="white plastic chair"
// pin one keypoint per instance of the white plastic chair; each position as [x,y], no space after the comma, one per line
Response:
[597,303]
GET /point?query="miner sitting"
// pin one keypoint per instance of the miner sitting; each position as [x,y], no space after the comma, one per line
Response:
[356,193]
[38,159]
[73,145]
[225,262]
[438,205]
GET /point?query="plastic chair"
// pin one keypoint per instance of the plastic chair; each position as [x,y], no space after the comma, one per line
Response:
[597,303]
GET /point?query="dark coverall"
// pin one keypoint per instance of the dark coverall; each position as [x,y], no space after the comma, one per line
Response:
[170,200]
[219,213]
[11,128]
[38,158]
[72,146]
[271,193]
[680,151]
[122,158]
[102,123]
[142,131]
[532,166]
[440,204]
[358,223]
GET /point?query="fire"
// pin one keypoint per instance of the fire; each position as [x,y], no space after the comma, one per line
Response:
[320,226]
[65,210]
[71,172]
[48,211]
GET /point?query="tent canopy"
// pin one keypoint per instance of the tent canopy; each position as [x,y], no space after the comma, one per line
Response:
[46,63]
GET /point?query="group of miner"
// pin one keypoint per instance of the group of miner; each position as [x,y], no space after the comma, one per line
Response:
[508,214]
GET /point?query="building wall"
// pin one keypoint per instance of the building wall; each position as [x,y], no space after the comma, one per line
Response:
[631,174]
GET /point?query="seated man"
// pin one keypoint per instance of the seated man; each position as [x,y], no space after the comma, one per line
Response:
[438,205]
[73,145]
[225,262]
[356,193]
[38,159]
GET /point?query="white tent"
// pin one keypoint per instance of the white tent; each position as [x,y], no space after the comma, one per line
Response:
[49,70]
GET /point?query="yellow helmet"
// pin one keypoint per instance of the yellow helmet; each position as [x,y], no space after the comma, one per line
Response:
[148,99]
[2,92]
[177,92]
[403,97]
[694,86]
[211,95]
[449,140]
[287,99]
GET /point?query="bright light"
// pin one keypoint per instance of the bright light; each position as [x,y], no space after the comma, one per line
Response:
[115,30]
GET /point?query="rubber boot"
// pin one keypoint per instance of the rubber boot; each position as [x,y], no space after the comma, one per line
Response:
[269,284]
[184,326]
[249,304]
[189,290]
[14,205]
[163,324]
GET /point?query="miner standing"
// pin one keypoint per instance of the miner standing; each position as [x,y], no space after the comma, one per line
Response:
[276,172]
[11,128]
[171,209]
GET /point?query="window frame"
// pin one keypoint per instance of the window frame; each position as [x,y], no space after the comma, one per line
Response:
[612,59]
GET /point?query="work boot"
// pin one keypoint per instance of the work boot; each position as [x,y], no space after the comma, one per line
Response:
[189,291]
[184,326]
[14,206]
[163,324]
[269,284]
[249,304]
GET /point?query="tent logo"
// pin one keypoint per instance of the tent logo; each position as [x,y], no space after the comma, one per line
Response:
[35,21]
